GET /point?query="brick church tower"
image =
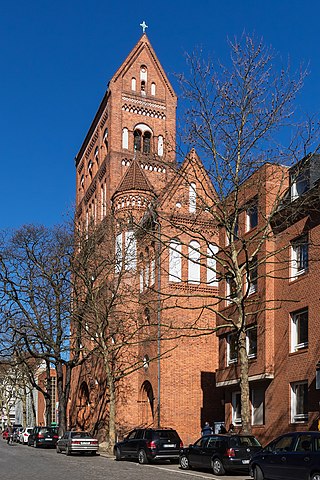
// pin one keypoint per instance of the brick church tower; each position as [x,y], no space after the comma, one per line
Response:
[127,173]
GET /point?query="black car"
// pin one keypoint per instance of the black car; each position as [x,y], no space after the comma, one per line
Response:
[221,453]
[43,437]
[293,456]
[147,444]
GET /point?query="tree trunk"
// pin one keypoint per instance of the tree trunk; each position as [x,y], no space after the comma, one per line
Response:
[63,387]
[244,384]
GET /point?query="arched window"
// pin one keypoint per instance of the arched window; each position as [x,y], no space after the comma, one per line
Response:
[147,269]
[160,145]
[137,140]
[118,267]
[194,262]
[147,142]
[212,265]
[153,88]
[90,167]
[192,197]
[143,73]
[153,269]
[141,273]
[125,138]
[175,261]
[130,250]
[133,84]
[105,138]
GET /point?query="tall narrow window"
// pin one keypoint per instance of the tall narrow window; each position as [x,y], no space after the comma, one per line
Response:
[194,262]
[231,288]
[133,84]
[147,269]
[147,142]
[252,276]
[141,272]
[236,408]
[232,348]
[118,267]
[212,265]
[137,140]
[299,402]
[152,270]
[299,256]
[125,138]
[252,216]
[130,250]
[299,181]
[105,138]
[160,145]
[192,198]
[153,88]
[251,341]
[175,261]
[257,404]
[143,87]
[299,330]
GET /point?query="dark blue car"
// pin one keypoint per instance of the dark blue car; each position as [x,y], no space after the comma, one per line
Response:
[293,456]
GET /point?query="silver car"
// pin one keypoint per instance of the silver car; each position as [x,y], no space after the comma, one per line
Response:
[77,442]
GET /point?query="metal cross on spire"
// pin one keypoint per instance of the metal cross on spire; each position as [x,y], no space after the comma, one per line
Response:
[144,26]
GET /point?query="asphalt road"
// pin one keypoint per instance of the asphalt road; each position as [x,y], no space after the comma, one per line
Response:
[19,462]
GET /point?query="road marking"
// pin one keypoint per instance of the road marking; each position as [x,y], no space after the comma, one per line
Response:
[182,472]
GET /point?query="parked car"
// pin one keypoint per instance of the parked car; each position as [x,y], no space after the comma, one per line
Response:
[77,442]
[43,437]
[221,453]
[24,435]
[147,444]
[16,434]
[293,456]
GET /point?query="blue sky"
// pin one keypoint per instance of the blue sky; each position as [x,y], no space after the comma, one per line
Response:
[57,58]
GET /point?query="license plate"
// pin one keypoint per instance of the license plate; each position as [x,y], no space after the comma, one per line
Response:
[245,462]
[48,439]
[85,443]
[169,445]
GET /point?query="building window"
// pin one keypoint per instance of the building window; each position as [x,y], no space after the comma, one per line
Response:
[252,276]
[90,167]
[231,291]
[118,258]
[175,261]
[192,198]
[232,230]
[236,408]
[257,406]
[251,341]
[232,348]
[141,273]
[299,402]
[96,155]
[125,138]
[160,145]
[133,84]
[153,89]
[130,251]
[152,270]
[142,138]
[252,216]
[299,330]
[143,73]
[105,138]
[194,262]
[299,183]
[137,140]
[212,265]
[299,256]
[143,87]
[82,181]
[147,142]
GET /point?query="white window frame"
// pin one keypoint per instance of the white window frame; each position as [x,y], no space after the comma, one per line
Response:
[253,282]
[153,89]
[212,251]
[296,247]
[249,225]
[230,361]
[125,138]
[295,389]
[133,84]
[257,404]
[250,329]
[295,319]
[194,262]
[175,261]
[235,401]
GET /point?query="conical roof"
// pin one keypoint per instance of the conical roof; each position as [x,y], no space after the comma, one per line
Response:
[134,179]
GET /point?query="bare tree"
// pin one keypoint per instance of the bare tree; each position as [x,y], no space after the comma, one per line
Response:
[237,117]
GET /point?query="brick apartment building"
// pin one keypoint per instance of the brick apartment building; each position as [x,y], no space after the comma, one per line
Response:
[127,174]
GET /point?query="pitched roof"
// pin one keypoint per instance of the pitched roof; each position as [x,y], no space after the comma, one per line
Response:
[134,179]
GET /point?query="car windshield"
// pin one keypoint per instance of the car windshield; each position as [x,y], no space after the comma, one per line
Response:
[51,430]
[171,434]
[80,435]
[244,441]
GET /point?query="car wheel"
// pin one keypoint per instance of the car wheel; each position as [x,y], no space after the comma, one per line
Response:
[258,473]
[68,451]
[315,476]
[117,453]
[184,462]
[142,457]
[217,467]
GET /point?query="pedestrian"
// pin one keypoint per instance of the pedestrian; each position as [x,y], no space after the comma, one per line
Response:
[222,429]
[9,437]
[207,430]
[231,428]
